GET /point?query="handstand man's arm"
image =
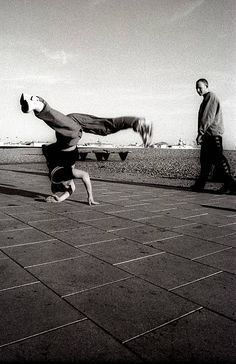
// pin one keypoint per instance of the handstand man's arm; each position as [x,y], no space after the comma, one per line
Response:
[78,173]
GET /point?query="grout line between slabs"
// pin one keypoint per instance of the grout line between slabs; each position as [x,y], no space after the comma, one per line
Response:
[98,242]
[21,285]
[43,332]
[95,287]
[162,325]
[212,253]
[24,244]
[162,239]
[18,229]
[55,261]
[196,280]
[140,258]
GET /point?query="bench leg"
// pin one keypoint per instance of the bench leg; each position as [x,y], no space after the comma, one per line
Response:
[82,156]
[123,155]
[102,156]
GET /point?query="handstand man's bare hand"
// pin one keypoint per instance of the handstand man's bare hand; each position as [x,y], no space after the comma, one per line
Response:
[92,202]
[52,199]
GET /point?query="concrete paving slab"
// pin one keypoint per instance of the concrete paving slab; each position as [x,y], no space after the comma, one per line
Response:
[133,213]
[229,240]
[3,216]
[204,231]
[226,203]
[118,200]
[200,337]
[78,274]
[32,309]
[188,204]
[9,224]
[83,235]
[231,226]
[111,224]
[82,342]
[3,256]
[212,219]
[121,307]
[13,275]
[167,271]
[166,222]
[224,260]
[132,307]
[58,224]
[67,206]
[21,237]
[216,293]
[188,246]
[146,234]
[33,216]
[119,250]
[42,252]
[183,212]
[218,211]
[138,204]
[84,216]
[205,198]
[107,207]
[15,209]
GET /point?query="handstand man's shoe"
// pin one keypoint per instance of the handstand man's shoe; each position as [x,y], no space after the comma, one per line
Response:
[144,128]
[24,104]
[30,103]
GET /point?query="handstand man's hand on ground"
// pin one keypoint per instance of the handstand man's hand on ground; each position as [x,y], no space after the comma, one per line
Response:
[92,202]
[52,199]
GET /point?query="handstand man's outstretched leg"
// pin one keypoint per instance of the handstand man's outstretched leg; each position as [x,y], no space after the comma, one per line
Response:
[69,127]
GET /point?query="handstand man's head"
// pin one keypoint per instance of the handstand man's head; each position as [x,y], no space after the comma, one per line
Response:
[62,179]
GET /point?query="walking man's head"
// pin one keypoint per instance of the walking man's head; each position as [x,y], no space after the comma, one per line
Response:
[202,86]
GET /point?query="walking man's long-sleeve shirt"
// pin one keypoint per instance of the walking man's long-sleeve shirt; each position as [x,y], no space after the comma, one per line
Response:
[210,120]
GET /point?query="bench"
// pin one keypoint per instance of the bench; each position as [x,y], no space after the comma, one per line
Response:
[102,154]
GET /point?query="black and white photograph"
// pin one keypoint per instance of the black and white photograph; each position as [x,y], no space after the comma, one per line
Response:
[118,181]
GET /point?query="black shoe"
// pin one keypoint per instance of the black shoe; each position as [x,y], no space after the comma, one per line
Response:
[29,103]
[227,189]
[196,188]
[24,104]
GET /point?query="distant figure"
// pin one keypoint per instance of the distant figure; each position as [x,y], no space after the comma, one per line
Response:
[62,155]
[210,131]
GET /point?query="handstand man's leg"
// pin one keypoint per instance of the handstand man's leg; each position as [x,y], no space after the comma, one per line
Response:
[105,126]
[69,128]
[68,131]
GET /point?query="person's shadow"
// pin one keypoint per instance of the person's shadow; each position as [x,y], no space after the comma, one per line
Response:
[38,196]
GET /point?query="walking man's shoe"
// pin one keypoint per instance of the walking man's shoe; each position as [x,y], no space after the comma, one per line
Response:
[197,187]
[228,189]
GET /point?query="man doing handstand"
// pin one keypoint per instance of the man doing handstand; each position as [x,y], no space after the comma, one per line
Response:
[62,155]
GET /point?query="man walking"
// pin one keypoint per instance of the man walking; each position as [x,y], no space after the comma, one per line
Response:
[210,131]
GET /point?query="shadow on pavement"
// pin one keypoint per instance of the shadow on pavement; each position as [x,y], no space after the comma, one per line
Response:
[25,193]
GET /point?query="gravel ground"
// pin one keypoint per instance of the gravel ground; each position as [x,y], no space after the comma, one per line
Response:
[175,167]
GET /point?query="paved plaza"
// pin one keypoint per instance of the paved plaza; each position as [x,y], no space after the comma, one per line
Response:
[146,276]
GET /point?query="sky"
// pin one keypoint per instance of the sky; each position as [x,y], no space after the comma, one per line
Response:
[117,57]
